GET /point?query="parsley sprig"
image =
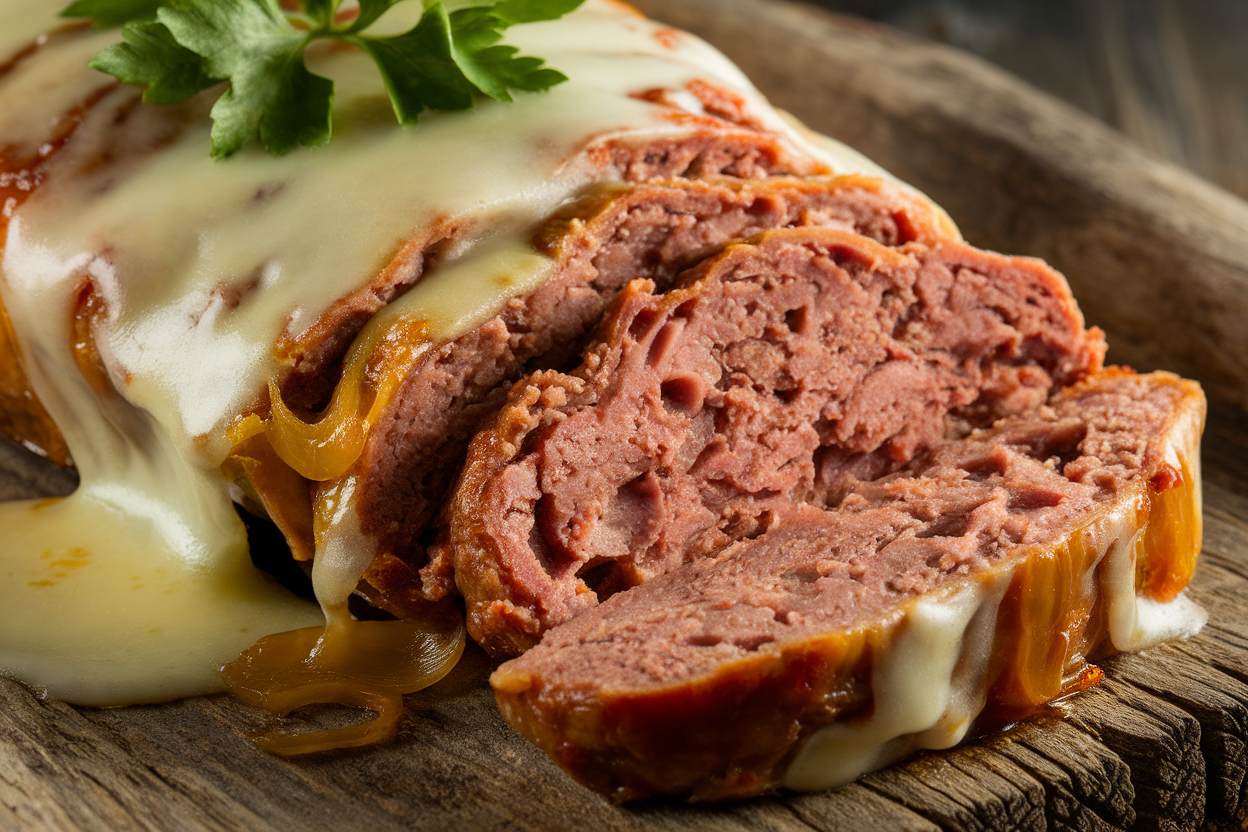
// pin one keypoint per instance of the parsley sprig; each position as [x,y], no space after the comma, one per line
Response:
[177,48]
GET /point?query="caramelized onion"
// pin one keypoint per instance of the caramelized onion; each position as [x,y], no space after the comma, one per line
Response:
[378,362]
[379,729]
[280,492]
[325,449]
[1171,539]
[362,664]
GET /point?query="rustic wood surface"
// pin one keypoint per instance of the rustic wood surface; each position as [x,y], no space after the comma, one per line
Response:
[1161,744]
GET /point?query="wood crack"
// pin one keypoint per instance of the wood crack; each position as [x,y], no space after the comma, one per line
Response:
[1087,786]
[1161,745]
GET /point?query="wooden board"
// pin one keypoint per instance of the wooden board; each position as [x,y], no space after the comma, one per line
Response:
[1159,258]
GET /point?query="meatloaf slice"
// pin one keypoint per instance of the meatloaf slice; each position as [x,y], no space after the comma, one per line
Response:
[975,582]
[779,372]
[609,236]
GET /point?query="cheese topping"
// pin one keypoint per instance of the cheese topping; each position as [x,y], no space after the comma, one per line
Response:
[198,268]
[914,695]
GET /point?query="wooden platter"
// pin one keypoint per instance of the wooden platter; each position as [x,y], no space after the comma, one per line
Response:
[1157,257]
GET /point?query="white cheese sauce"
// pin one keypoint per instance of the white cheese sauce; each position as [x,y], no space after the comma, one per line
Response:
[204,265]
[929,683]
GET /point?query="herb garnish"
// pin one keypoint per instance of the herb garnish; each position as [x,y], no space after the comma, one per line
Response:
[176,48]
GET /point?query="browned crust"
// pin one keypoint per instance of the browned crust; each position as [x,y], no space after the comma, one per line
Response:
[22,416]
[731,736]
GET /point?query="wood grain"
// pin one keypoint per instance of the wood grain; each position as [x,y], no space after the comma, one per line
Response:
[1163,744]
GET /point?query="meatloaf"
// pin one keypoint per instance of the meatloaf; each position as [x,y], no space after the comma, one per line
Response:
[813,436]
[779,372]
[728,141]
[610,235]
[976,580]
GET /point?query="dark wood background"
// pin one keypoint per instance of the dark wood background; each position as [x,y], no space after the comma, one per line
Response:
[1172,75]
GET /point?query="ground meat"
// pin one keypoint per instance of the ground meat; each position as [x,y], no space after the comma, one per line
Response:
[720,148]
[779,372]
[707,679]
[611,235]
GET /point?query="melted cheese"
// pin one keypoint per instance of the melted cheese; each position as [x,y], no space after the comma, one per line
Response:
[935,668]
[202,266]
[111,598]
[1139,622]
[40,92]
[914,697]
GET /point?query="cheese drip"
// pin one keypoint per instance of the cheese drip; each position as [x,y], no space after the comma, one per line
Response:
[138,586]
[1004,643]
[199,268]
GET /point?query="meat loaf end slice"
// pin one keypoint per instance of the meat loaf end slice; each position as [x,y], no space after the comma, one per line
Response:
[975,582]
[779,372]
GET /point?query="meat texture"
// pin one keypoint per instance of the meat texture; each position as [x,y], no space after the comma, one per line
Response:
[708,679]
[780,371]
[728,141]
[610,236]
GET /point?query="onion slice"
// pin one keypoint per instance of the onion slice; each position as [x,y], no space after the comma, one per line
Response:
[362,664]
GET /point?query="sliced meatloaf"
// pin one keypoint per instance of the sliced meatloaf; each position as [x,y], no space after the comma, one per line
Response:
[612,235]
[976,581]
[779,372]
[725,142]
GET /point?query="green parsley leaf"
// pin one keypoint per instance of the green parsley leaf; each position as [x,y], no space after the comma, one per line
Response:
[532,11]
[177,48]
[149,57]
[110,13]
[439,63]
[419,67]
[370,10]
[490,68]
[272,95]
[320,12]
